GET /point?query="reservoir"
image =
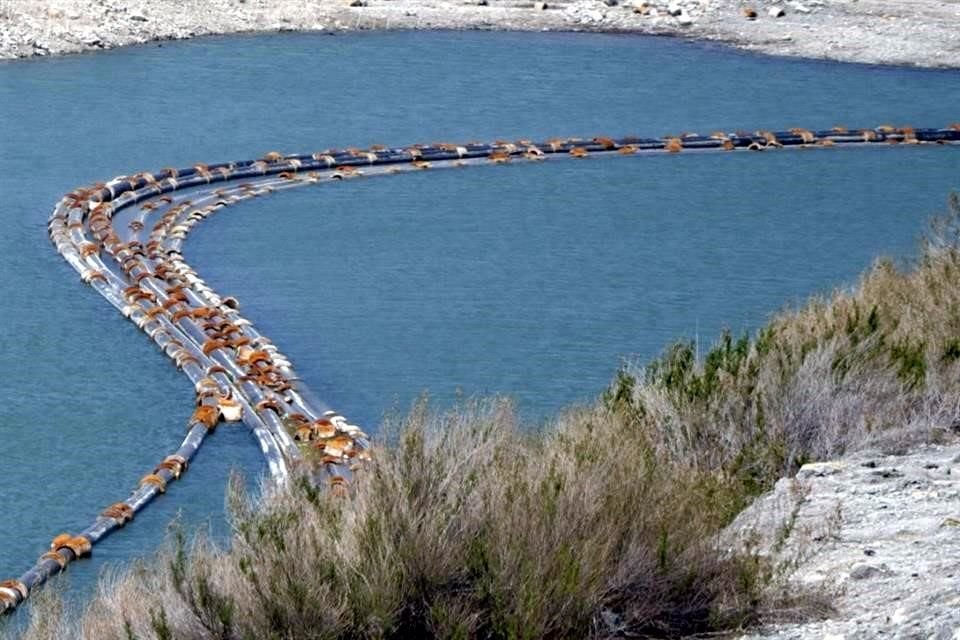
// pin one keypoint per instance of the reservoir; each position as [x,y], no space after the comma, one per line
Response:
[534,281]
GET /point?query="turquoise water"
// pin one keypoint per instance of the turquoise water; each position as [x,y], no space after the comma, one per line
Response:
[535,281]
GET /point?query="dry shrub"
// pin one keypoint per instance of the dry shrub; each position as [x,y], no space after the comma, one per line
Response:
[466,528]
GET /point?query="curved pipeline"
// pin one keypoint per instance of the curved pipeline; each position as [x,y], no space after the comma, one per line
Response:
[237,372]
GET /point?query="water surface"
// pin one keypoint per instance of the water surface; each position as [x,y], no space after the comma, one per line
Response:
[534,281]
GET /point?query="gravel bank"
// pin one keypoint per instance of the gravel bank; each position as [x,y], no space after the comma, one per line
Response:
[881,532]
[911,32]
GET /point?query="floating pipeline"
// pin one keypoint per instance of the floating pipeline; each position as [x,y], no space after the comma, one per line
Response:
[237,372]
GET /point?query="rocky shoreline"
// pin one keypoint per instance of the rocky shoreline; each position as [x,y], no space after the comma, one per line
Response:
[878,535]
[919,33]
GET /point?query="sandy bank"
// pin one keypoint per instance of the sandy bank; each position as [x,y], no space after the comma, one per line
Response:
[919,32]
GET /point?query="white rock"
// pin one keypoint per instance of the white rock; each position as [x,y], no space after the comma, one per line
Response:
[684,19]
[820,469]
[776,12]
[879,539]
[674,9]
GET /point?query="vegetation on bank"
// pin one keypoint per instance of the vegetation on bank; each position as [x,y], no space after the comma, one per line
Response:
[604,525]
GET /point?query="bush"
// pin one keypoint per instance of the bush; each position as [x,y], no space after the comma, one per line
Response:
[467,528]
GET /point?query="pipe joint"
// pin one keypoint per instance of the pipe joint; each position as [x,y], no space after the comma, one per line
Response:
[154,480]
[119,511]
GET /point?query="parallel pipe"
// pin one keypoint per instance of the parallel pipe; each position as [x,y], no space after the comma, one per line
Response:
[238,374]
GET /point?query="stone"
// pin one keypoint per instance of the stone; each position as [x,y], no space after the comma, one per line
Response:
[674,9]
[358,3]
[863,571]
[749,13]
[684,19]
[819,469]
[611,3]
[540,6]
[776,12]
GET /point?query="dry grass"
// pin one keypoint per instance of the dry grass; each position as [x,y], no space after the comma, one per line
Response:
[604,525]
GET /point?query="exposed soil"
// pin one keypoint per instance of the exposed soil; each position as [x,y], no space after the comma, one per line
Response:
[909,32]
